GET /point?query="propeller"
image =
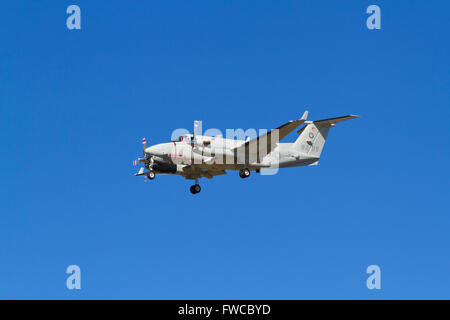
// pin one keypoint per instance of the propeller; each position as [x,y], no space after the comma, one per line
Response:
[195,130]
[146,158]
[144,145]
[198,146]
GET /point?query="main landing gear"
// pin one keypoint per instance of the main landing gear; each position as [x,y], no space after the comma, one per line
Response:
[244,173]
[195,188]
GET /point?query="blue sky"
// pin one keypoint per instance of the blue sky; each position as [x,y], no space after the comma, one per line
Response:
[75,105]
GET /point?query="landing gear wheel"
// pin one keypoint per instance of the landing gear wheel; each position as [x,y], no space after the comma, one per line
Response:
[244,173]
[151,175]
[195,189]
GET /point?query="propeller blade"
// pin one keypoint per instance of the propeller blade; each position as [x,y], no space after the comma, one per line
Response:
[144,144]
[195,130]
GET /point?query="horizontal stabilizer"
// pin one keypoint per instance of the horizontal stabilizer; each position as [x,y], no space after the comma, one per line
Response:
[329,122]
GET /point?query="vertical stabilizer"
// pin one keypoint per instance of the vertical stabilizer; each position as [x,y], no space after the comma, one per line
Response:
[311,140]
[313,135]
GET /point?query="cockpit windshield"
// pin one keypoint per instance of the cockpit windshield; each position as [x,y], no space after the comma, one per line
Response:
[181,138]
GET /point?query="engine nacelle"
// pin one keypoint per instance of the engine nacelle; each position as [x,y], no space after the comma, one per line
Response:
[161,167]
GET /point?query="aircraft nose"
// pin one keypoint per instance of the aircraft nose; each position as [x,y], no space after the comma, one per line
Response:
[151,150]
[155,150]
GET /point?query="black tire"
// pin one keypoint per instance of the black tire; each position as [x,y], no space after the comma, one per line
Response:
[195,189]
[244,173]
[151,175]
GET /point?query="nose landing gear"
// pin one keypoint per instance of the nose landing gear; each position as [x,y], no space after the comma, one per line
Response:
[151,175]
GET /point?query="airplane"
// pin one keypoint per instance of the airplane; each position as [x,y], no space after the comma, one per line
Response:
[194,156]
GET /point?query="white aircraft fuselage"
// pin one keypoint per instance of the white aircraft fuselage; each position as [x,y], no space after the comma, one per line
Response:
[195,156]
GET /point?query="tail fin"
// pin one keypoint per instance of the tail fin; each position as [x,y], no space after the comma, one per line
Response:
[313,135]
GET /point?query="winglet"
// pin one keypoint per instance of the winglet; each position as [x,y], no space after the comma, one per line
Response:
[304,116]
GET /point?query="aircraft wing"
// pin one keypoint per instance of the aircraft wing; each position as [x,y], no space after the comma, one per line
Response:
[211,173]
[265,143]
[194,171]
